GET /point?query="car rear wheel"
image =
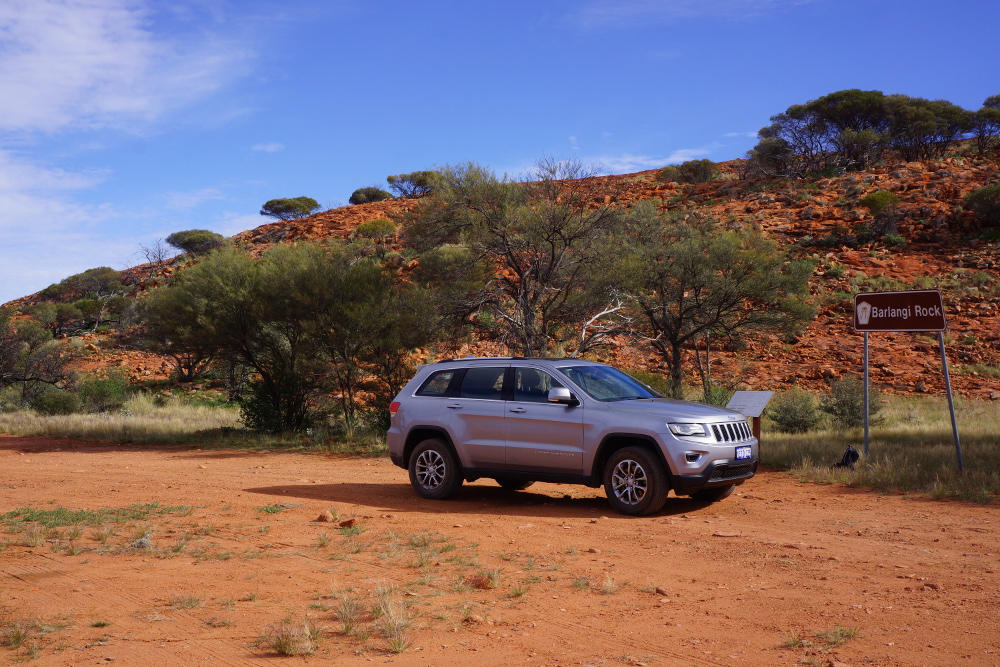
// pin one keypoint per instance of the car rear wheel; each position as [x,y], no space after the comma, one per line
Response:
[635,482]
[434,472]
[714,494]
[513,484]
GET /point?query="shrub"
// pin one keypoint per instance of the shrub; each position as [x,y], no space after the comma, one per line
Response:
[879,201]
[985,201]
[794,411]
[289,209]
[717,395]
[846,403]
[369,194]
[104,394]
[692,171]
[196,241]
[379,229]
[56,402]
[894,241]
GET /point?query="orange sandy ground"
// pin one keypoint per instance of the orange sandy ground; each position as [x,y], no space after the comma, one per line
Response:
[738,582]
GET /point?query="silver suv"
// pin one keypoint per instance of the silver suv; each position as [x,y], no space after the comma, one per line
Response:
[522,420]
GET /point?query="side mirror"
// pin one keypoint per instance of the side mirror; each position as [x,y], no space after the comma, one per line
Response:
[562,395]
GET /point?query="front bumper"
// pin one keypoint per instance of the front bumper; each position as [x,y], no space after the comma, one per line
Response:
[718,473]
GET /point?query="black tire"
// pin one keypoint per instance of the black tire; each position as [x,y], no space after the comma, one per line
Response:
[635,482]
[513,484]
[434,471]
[714,494]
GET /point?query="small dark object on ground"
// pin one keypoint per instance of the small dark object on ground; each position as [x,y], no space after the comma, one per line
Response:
[851,457]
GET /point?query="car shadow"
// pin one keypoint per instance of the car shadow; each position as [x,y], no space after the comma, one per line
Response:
[475,498]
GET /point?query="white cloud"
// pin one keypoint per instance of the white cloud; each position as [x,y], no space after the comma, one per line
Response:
[45,235]
[269,147]
[70,63]
[628,163]
[752,135]
[192,199]
[574,144]
[628,13]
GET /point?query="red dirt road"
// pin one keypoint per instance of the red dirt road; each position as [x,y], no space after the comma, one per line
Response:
[783,573]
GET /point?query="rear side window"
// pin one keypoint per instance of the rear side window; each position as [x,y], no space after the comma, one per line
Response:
[483,383]
[437,383]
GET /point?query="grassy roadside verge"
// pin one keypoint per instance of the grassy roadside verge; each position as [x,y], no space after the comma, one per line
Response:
[912,451]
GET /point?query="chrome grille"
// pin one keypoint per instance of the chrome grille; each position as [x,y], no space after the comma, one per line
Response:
[732,432]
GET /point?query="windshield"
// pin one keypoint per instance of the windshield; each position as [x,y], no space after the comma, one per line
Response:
[605,383]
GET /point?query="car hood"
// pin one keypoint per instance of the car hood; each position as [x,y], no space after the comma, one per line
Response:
[674,410]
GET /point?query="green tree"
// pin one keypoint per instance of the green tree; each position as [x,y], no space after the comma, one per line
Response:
[289,209]
[59,318]
[541,234]
[30,359]
[196,241]
[922,129]
[416,183]
[369,194]
[690,278]
[306,319]
[986,124]
[172,328]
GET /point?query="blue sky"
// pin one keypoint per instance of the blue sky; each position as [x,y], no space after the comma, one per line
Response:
[122,121]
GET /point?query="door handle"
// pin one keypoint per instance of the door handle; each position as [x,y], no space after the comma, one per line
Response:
[519,409]
[454,406]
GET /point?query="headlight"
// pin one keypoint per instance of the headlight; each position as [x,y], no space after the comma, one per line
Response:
[688,429]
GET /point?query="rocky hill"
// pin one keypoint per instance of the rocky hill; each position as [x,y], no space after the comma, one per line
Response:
[938,245]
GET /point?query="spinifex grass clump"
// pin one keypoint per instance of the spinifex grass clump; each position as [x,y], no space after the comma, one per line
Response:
[912,451]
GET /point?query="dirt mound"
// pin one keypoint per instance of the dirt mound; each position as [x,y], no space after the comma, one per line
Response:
[935,245]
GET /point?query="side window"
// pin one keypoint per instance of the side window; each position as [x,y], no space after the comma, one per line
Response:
[532,385]
[436,384]
[483,383]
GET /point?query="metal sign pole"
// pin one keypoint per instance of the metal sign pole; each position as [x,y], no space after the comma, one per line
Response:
[866,393]
[951,403]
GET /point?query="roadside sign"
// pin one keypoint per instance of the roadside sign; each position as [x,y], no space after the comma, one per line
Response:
[913,310]
[750,403]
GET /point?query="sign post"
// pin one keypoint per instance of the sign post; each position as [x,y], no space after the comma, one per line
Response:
[914,310]
[750,404]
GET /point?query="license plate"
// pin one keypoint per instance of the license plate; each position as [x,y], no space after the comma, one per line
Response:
[743,452]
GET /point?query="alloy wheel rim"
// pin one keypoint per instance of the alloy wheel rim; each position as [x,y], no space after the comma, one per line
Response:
[430,469]
[629,482]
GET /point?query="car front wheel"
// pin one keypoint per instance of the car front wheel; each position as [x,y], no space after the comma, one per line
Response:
[434,472]
[635,482]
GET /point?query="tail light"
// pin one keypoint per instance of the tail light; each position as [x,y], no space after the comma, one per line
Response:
[393,407]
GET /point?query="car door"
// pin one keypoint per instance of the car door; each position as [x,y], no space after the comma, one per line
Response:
[477,418]
[541,436]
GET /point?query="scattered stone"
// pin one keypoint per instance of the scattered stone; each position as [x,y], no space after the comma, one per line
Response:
[348,523]
[480,582]
[663,592]
[593,551]
[473,619]
[326,516]
[723,533]
[930,585]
